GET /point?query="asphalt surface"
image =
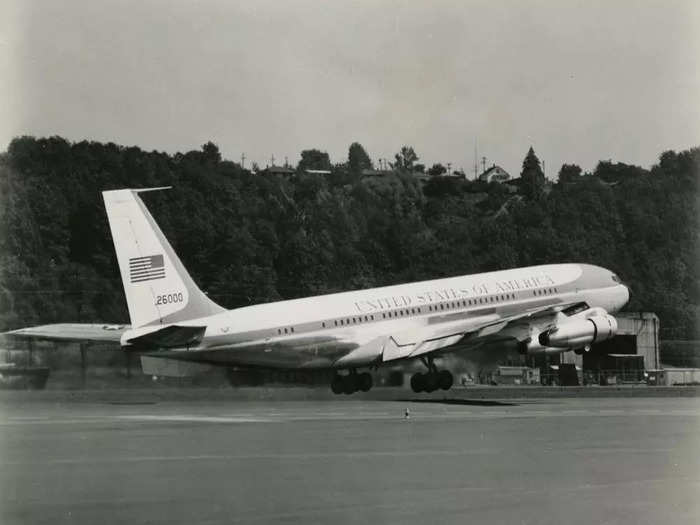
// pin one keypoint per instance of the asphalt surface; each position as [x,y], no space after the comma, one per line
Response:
[584,461]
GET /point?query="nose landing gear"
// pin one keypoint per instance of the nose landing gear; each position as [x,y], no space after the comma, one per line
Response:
[351,383]
[432,380]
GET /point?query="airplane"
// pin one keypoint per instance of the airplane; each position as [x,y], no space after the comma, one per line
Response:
[546,309]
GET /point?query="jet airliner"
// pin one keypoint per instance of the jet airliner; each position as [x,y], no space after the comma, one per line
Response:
[546,309]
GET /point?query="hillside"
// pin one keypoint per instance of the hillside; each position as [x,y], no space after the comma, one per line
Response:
[250,238]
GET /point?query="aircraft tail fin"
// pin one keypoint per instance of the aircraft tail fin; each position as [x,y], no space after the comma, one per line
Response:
[157,286]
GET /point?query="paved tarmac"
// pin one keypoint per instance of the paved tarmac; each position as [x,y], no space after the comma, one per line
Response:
[587,461]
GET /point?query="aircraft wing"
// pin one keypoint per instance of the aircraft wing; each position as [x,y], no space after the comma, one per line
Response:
[71,332]
[431,338]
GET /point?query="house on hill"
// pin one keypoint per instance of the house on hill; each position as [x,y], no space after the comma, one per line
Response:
[494,174]
[283,171]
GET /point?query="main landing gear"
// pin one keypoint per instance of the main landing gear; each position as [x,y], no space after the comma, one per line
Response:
[432,379]
[351,383]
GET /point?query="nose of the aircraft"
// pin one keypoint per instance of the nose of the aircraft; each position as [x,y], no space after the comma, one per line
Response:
[624,295]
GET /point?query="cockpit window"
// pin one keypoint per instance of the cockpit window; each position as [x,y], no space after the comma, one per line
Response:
[616,279]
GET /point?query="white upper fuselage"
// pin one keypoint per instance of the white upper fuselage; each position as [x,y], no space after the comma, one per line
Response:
[323,331]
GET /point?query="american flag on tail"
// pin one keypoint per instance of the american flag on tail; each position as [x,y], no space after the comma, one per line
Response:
[146,268]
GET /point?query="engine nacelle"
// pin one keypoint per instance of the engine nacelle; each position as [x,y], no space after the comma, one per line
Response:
[580,332]
[532,347]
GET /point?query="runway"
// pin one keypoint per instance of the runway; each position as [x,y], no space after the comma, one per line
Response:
[346,461]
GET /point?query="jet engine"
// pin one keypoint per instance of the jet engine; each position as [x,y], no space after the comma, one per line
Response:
[580,332]
[531,346]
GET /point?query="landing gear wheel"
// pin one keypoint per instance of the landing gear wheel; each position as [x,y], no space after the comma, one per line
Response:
[364,382]
[431,382]
[337,384]
[417,382]
[349,386]
[445,379]
[433,379]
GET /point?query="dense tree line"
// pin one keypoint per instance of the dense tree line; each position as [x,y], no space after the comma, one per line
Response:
[249,238]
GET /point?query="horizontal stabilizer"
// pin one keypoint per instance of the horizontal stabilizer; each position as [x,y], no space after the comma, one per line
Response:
[169,337]
[71,332]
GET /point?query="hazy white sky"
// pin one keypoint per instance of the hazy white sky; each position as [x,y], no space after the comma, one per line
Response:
[578,80]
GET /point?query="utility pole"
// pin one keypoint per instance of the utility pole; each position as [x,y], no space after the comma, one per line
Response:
[243,160]
[483,164]
[272,160]
[449,168]
[286,161]
[476,162]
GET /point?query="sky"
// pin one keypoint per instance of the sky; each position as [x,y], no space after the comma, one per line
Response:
[580,81]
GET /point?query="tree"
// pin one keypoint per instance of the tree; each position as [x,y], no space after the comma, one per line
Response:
[532,176]
[569,173]
[419,168]
[616,171]
[437,170]
[358,159]
[210,153]
[313,159]
[405,159]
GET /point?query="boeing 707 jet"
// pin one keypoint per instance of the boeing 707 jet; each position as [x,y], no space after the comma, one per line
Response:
[546,309]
